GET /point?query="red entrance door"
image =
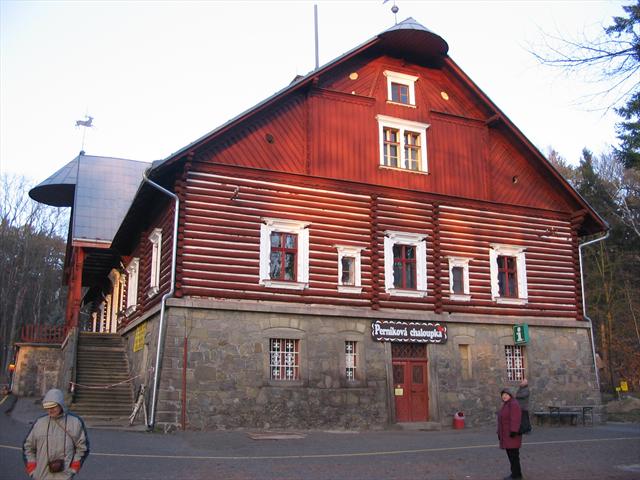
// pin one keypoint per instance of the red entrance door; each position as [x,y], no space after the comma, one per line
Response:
[410,390]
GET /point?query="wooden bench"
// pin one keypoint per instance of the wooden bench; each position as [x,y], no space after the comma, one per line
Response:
[557,416]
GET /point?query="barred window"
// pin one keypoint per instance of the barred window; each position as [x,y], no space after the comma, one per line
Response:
[515,362]
[284,359]
[351,359]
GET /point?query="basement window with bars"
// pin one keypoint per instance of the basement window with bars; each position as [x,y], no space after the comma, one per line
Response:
[514,355]
[350,359]
[284,358]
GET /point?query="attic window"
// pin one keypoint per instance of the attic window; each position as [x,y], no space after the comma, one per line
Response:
[401,88]
[403,144]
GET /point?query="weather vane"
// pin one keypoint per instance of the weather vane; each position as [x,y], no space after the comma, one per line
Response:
[394,9]
[86,123]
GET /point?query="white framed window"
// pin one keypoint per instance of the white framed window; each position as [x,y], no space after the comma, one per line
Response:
[132,285]
[349,274]
[514,355]
[284,254]
[284,359]
[508,274]
[401,88]
[350,359]
[459,279]
[156,254]
[403,144]
[405,264]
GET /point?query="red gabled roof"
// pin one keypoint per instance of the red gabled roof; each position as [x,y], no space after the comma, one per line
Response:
[410,40]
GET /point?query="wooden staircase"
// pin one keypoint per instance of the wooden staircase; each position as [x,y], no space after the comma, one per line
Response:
[101,361]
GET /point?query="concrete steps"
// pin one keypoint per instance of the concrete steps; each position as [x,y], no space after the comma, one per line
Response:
[101,362]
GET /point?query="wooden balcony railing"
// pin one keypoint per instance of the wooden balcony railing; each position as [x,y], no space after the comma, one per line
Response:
[43,333]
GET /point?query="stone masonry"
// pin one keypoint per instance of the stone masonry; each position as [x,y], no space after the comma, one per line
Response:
[228,384]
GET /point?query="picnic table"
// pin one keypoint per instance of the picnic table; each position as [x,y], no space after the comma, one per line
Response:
[556,413]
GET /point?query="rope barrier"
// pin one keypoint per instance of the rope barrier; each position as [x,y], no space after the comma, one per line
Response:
[101,387]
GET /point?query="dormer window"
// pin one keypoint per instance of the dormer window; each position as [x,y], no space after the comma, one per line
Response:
[401,88]
[403,144]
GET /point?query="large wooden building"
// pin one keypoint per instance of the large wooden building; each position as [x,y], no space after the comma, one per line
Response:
[354,251]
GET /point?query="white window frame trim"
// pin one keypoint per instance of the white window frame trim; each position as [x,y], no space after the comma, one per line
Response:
[403,79]
[402,125]
[350,251]
[521,266]
[418,240]
[301,229]
[156,256]
[132,285]
[464,264]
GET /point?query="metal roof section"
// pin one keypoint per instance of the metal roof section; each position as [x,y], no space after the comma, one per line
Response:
[105,189]
[100,190]
[58,189]
[408,35]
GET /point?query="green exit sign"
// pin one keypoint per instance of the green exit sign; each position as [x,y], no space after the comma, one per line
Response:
[521,334]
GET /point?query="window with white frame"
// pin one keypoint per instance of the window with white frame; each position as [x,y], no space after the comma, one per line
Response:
[508,274]
[401,88]
[284,359]
[405,264]
[403,144]
[132,284]
[459,279]
[514,355]
[349,276]
[350,359]
[284,254]
[156,246]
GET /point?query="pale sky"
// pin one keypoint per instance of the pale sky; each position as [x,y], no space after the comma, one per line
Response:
[157,75]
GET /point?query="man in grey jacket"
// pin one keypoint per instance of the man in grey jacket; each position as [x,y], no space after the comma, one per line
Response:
[57,445]
[522,395]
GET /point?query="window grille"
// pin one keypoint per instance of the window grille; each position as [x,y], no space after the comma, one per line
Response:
[351,359]
[408,350]
[284,362]
[515,362]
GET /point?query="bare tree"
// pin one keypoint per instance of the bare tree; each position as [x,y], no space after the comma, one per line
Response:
[32,251]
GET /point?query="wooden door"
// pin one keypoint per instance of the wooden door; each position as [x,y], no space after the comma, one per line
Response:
[410,390]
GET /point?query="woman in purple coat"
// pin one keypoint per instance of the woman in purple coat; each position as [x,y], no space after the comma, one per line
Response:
[508,431]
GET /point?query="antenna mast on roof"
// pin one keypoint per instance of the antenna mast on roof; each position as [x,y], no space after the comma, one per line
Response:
[315,24]
[394,10]
[86,123]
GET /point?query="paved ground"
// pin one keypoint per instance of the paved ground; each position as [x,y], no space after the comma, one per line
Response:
[603,452]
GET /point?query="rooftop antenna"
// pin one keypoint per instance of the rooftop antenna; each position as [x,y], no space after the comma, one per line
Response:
[394,10]
[315,23]
[86,123]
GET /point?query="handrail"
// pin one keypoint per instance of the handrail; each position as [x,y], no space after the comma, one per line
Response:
[34,333]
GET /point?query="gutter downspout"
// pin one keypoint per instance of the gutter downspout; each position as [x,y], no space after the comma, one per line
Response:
[169,294]
[584,303]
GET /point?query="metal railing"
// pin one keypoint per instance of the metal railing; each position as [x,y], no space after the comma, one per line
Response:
[43,333]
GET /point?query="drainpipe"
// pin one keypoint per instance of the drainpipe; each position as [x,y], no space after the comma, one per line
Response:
[169,294]
[584,304]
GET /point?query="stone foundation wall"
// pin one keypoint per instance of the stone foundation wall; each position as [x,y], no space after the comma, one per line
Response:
[37,369]
[228,384]
[558,366]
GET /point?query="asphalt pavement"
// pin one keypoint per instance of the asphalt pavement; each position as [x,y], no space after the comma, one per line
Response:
[609,451]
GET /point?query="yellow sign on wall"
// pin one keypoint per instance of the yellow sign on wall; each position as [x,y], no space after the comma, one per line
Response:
[624,386]
[138,340]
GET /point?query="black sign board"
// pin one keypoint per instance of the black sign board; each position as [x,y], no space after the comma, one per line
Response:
[421,332]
